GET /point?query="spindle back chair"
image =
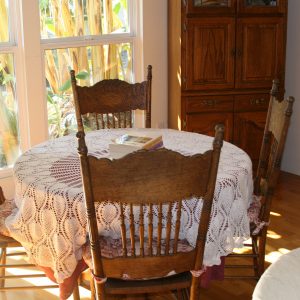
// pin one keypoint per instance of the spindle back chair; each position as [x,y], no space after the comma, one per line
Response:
[275,133]
[147,189]
[109,103]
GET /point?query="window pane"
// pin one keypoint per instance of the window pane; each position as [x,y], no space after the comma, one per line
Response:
[4,25]
[91,64]
[9,133]
[70,18]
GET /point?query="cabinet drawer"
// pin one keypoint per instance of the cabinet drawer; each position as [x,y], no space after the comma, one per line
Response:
[208,104]
[254,102]
[205,123]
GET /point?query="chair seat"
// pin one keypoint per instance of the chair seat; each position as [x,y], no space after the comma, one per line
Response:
[119,286]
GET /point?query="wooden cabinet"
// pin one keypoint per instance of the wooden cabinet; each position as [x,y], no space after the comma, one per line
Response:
[223,56]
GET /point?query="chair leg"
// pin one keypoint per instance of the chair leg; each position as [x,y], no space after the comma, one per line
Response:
[262,252]
[255,258]
[178,294]
[99,289]
[76,294]
[183,294]
[92,288]
[194,291]
[2,270]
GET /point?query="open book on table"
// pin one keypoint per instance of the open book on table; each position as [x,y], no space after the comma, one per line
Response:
[131,142]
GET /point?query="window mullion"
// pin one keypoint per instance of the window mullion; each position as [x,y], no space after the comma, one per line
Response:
[32,55]
[86,41]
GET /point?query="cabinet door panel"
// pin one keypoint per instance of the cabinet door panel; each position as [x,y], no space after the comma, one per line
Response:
[205,123]
[209,54]
[248,133]
[260,52]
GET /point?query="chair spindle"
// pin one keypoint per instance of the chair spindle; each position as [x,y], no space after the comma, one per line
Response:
[142,232]
[150,229]
[132,234]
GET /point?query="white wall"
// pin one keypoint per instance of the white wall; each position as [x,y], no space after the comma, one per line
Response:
[291,157]
[155,28]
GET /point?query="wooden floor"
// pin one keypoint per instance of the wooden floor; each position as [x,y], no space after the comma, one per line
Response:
[283,236]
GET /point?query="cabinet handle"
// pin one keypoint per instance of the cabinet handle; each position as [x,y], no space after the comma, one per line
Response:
[260,101]
[184,3]
[233,52]
[209,102]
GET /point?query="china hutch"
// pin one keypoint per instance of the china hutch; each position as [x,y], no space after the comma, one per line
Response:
[223,56]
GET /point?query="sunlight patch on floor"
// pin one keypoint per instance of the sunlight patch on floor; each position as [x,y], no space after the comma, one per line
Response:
[273,235]
[274,255]
[275,214]
[41,294]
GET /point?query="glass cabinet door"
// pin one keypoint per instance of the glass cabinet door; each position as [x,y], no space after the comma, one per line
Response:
[261,2]
[262,6]
[213,3]
[209,6]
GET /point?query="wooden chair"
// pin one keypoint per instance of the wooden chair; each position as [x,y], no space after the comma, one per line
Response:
[150,205]
[7,242]
[275,133]
[109,103]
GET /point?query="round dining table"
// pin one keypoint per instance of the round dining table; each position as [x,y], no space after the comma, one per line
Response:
[50,217]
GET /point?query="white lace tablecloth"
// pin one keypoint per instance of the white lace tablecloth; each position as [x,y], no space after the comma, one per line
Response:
[50,219]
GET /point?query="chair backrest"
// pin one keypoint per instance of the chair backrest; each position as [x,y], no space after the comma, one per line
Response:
[109,103]
[275,133]
[148,187]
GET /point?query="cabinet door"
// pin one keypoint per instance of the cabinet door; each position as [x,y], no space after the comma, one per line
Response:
[260,52]
[208,60]
[248,133]
[210,6]
[262,6]
[205,123]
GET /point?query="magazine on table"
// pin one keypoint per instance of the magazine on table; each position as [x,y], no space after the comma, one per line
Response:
[131,142]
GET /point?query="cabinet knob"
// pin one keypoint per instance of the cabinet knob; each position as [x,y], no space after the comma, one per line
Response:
[239,52]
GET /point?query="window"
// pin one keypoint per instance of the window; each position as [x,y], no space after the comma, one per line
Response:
[94,38]
[9,132]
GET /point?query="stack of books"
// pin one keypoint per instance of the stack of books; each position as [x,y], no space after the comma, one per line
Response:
[128,143]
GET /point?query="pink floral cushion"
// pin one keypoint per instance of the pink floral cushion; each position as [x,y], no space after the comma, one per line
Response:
[113,248]
[5,210]
[254,209]
[253,214]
